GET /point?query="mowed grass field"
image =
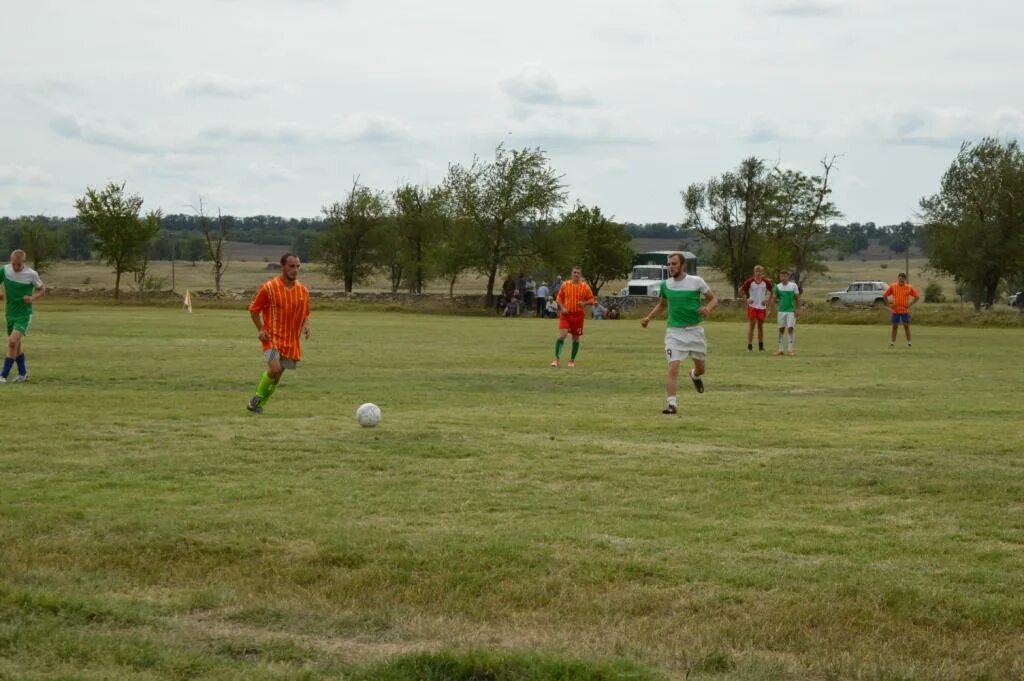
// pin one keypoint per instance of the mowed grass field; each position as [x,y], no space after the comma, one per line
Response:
[855,512]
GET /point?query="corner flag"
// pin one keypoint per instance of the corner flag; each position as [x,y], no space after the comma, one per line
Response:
[188,300]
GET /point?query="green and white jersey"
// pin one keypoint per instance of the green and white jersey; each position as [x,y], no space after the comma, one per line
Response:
[684,297]
[786,295]
[17,285]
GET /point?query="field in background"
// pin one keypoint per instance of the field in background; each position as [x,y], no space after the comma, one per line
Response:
[250,273]
[854,512]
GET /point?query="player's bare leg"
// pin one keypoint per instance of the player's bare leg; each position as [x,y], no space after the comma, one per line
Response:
[672,388]
[695,374]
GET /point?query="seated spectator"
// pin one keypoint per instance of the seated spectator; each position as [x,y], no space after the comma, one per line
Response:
[612,313]
[599,311]
[551,309]
[513,307]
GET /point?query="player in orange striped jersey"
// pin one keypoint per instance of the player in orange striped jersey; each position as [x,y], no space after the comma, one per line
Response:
[573,297]
[280,311]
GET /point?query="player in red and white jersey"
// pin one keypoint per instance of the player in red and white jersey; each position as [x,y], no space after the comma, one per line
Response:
[758,292]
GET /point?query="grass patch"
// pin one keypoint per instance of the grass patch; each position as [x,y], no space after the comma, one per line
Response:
[852,512]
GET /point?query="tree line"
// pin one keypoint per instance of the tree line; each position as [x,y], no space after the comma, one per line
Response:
[509,214]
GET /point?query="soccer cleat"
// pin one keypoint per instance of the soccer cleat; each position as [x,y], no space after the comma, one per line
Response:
[554,364]
[792,353]
[670,409]
[3,379]
[572,364]
[254,405]
[909,345]
[20,378]
[697,383]
[892,345]
[777,353]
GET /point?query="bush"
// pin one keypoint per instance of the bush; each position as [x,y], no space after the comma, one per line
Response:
[933,293]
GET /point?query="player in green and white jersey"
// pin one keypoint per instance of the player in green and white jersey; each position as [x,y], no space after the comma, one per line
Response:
[22,287]
[688,299]
[787,297]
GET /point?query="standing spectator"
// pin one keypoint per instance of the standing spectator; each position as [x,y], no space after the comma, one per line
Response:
[598,309]
[901,294]
[542,298]
[556,285]
[528,289]
[508,289]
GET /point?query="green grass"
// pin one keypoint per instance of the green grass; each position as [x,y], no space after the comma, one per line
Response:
[853,512]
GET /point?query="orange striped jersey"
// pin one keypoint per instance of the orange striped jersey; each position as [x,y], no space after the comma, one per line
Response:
[574,296]
[901,295]
[285,310]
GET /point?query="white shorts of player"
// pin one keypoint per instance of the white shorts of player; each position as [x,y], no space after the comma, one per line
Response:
[787,320]
[684,342]
[274,354]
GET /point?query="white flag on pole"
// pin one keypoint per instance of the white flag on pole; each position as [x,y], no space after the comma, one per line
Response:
[188,300]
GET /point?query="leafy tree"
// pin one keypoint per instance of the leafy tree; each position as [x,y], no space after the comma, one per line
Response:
[194,249]
[505,200]
[598,245]
[78,242]
[731,211]
[350,247]
[975,223]
[800,210]
[450,256]
[419,220]
[121,238]
[42,244]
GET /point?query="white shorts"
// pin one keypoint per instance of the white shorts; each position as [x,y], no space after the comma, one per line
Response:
[787,320]
[273,354]
[684,342]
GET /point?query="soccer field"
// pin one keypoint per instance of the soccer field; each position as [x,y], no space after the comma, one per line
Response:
[852,512]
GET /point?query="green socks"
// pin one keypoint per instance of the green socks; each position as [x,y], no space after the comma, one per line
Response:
[266,388]
[558,348]
[575,349]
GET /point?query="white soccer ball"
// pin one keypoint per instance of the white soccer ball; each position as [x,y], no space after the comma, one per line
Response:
[368,415]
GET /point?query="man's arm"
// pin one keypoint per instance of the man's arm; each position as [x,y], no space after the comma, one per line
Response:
[650,315]
[796,306]
[40,292]
[710,303]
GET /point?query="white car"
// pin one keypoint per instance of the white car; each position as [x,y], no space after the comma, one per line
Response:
[860,293]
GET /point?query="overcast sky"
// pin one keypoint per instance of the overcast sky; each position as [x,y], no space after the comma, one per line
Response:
[273,107]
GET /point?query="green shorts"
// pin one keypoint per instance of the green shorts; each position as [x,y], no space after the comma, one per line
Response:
[20,325]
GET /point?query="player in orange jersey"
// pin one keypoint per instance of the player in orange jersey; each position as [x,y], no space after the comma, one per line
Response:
[573,297]
[280,311]
[903,296]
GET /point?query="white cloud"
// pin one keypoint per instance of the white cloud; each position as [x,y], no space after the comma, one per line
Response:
[802,8]
[104,134]
[21,175]
[218,86]
[536,86]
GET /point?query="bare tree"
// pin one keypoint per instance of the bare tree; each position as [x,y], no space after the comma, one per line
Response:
[215,236]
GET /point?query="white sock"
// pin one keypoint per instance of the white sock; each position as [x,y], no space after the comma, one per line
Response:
[781,335]
[672,401]
[792,340]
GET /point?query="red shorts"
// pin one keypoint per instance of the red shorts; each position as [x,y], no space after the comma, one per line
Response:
[754,313]
[572,321]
